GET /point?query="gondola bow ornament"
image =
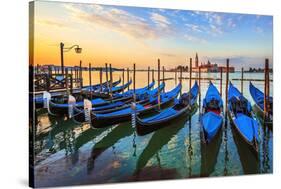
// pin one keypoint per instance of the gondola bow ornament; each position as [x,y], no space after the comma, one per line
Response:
[71,103]
[87,110]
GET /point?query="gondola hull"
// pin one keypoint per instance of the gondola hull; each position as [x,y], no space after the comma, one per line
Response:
[143,128]
[252,146]
[112,120]
[258,97]
[104,120]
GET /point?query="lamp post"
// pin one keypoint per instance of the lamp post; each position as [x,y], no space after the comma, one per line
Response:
[63,49]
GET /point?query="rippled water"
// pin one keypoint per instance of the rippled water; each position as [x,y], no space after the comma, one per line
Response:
[67,153]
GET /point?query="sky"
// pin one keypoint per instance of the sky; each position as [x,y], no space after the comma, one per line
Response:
[123,35]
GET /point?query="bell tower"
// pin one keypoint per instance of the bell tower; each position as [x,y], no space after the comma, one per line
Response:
[196,61]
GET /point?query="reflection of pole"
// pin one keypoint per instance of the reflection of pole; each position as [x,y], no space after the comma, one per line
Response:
[134,144]
[226,159]
[61,57]
[190,150]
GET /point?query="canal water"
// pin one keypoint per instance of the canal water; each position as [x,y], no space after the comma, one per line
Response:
[67,153]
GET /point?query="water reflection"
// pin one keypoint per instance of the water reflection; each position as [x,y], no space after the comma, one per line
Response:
[114,135]
[265,149]
[209,154]
[158,140]
[190,149]
[248,159]
[225,141]
[117,154]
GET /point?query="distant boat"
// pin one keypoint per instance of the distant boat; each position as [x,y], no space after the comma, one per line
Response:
[241,116]
[258,97]
[212,117]
[185,104]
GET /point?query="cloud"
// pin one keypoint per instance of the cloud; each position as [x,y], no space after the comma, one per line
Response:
[168,54]
[160,20]
[194,39]
[259,30]
[215,30]
[195,28]
[230,23]
[118,20]
[51,23]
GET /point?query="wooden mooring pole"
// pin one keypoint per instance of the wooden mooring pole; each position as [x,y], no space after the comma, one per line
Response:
[111,78]
[221,81]
[71,82]
[66,80]
[148,75]
[158,84]
[226,84]
[190,73]
[190,77]
[80,74]
[90,78]
[181,79]
[163,75]
[123,79]
[242,79]
[128,77]
[153,78]
[106,76]
[134,82]
[199,78]
[100,79]
[176,75]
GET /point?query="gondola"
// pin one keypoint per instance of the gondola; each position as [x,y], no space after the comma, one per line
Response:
[97,87]
[258,97]
[185,104]
[107,92]
[62,108]
[142,99]
[241,117]
[212,118]
[108,119]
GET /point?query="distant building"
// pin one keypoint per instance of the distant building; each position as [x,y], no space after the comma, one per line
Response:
[209,67]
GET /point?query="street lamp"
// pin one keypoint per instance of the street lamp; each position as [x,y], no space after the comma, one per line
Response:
[63,49]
